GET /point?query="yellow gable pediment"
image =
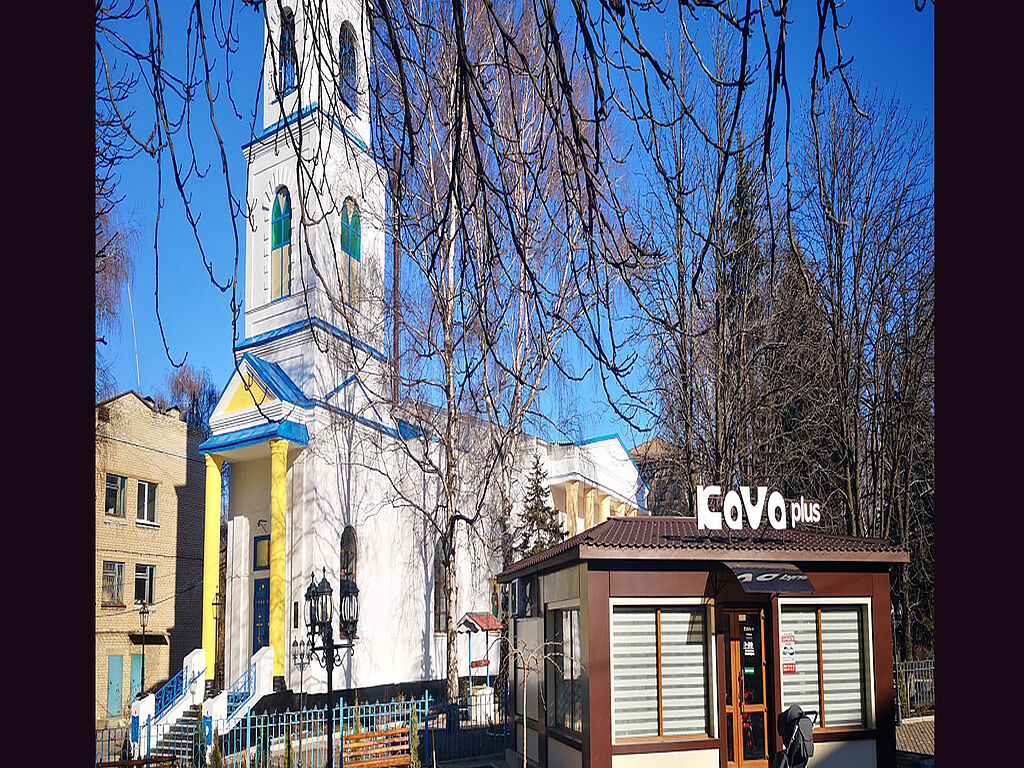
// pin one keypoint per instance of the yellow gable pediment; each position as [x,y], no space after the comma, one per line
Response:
[248,393]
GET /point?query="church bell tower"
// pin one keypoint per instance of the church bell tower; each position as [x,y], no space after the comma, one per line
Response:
[314,301]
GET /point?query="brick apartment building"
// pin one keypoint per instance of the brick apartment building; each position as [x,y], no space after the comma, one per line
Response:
[149,548]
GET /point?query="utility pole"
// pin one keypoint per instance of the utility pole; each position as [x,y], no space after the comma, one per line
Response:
[143,615]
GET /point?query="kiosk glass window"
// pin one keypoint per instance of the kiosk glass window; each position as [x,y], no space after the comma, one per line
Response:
[824,663]
[567,712]
[659,677]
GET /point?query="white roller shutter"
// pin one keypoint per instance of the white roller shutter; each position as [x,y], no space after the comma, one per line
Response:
[801,687]
[684,676]
[842,667]
[635,677]
[842,672]
[684,698]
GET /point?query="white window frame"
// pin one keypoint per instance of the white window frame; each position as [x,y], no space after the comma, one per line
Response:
[710,654]
[146,520]
[863,604]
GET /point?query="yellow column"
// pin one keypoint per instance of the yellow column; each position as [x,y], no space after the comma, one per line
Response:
[211,560]
[620,509]
[278,519]
[572,502]
[589,511]
[606,507]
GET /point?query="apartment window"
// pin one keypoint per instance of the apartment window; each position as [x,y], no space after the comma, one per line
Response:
[260,553]
[566,670]
[112,589]
[660,683]
[147,502]
[145,575]
[824,663]
[116,486]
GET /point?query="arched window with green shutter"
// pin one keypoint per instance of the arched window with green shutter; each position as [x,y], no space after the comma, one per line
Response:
[350,253]
[281,245]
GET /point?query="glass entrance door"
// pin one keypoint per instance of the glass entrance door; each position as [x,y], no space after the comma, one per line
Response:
[746,713]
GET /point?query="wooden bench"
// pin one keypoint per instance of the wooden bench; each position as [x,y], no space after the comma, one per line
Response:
[145,762]
[377,749]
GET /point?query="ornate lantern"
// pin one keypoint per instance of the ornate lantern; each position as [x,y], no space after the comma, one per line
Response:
[348,609]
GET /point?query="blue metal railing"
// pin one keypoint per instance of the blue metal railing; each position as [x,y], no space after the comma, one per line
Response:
[171,691]
[472,726]
[241,689]
[382,716]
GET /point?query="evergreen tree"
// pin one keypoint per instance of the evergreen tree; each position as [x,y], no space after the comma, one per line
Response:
[541,528]
[216,758]
[199,742]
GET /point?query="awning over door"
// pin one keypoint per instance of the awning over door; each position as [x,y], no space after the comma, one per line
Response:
[782,578]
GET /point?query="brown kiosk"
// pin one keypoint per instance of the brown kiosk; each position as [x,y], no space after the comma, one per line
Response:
[646,643]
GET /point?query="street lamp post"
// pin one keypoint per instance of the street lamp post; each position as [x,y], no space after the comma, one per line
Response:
[143,616]
[319,623]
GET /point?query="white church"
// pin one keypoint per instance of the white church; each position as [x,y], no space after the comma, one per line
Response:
[323,471]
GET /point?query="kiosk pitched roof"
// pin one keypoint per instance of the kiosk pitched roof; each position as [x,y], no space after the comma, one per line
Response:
[677,538]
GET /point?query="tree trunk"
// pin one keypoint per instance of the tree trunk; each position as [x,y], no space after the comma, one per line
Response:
[452,591]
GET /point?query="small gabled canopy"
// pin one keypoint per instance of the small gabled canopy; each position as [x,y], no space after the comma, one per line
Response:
[479,622]
[258,382]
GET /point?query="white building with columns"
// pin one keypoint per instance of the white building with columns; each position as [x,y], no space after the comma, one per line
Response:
[322,468]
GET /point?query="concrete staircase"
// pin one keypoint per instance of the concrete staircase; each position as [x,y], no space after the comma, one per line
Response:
[179,739]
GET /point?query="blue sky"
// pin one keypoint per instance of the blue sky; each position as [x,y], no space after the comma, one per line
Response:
[892,45]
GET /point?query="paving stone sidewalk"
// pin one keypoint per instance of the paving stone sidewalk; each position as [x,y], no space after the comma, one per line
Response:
[915,741]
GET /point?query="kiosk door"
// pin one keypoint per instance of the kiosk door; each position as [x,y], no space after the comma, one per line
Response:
[746,714]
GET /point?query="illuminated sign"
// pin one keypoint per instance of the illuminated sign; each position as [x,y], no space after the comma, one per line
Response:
[737,505]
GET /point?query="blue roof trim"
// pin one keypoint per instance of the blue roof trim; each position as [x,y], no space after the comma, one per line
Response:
[277,380]
[368,398]
[589,440]
[390,431]
[355,378]
[340,387]
[408,431]
[286,430]
[298,115]
[300,325]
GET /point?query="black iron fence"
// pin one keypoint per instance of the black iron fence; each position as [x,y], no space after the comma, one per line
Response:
[474,726]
